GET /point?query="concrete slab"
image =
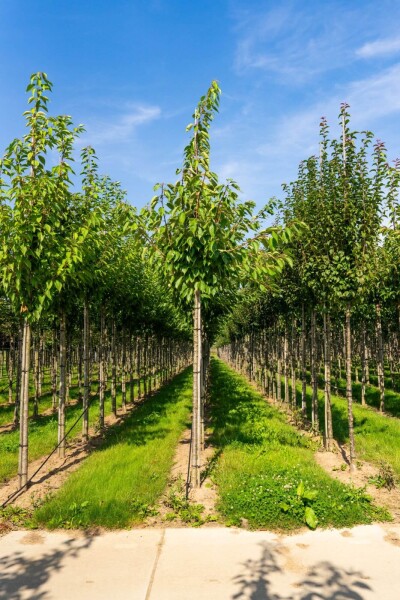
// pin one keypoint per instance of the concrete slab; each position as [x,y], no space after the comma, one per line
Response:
[225,563]
[60,566]
[362,563]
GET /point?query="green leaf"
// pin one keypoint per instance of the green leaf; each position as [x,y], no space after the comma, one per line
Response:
[310,518]
[300,490]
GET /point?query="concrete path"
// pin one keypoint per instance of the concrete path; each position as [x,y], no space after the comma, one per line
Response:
[202,564]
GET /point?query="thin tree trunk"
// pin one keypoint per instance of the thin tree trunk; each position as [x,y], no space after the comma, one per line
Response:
[303,363]
[292,366]
[278,393]
[131,383]
[123,370]
[197,343]
[63,385]
[363,369]
[349,388]
[113,369]
[19,376]
[327,375]
[86,369]
[380,363]
[102,357]
[24,413]
[286,364]
[11,368]
[36,375]
[314,377]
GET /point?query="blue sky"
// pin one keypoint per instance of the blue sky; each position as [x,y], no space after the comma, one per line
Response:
[132,72]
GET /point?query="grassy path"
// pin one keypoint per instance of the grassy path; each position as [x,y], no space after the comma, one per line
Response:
[377,436]
[43,432]
[266,472]
[119,483]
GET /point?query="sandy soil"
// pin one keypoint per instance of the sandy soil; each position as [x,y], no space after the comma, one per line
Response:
[206,495]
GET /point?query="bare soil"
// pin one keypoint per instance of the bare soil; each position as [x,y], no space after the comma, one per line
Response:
[205,495]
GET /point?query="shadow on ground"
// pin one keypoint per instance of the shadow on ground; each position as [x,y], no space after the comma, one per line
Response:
[22,577]
[260,579]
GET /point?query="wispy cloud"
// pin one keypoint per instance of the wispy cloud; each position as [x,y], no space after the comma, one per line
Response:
[384,47]
[291,43]
[268,155]
[120,127]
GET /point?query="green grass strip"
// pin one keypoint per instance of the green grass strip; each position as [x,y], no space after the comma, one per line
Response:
[118,483]
[372,394]
[377,436]
[266,472]
[43,431]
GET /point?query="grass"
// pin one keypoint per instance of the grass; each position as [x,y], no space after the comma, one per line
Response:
[43,432]
[45,402]
[372,394]
[266,472]
[119,483]
[377,436]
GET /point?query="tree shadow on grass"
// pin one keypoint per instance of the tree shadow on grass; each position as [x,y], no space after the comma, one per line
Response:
[239,415]
[141,425]
[23,577]
[323,580]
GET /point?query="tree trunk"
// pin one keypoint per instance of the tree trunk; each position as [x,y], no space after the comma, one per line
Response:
[196,436]
[86,369]
[131,384]
[380,363]
[24,412]
[123,370]
[54,370]
[113,369]
[303,364]
[363,365]
[327,375]
[286,364]
[349,388]
[314,377]
[63,386]
[11,368]
[19,377]
[102,357]
[36,375]
[292,366]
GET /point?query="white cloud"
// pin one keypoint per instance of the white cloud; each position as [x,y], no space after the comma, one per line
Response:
[383,47]
[120,128]
[292,44]
[264,156]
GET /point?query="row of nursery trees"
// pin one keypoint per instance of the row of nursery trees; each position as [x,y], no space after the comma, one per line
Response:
[78,304]
[92,289]
[336,310]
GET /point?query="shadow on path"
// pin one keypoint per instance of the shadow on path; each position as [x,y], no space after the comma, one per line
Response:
[22,577]
[322,581]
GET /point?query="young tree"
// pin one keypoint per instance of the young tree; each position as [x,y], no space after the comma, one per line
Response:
[201,229]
